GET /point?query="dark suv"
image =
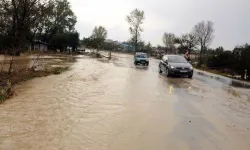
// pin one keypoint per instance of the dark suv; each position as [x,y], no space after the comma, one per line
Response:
[141,58]
[175,65]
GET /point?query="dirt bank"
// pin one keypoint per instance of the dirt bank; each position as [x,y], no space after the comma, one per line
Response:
[28,67]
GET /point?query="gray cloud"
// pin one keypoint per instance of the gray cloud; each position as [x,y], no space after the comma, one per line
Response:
[231,18]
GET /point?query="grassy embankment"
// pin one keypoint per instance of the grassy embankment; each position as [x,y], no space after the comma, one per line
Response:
[224,73]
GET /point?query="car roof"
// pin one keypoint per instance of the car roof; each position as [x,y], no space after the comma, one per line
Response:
[167,56]
[172,55]
[139,53]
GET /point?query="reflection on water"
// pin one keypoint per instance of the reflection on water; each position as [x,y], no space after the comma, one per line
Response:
[170,89]
[141,67]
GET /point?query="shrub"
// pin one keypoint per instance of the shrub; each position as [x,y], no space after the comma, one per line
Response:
[6,92]
[204,66]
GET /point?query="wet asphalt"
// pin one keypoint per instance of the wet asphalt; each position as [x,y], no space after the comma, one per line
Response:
[102,104]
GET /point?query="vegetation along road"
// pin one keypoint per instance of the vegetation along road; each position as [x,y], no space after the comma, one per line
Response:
[100,104]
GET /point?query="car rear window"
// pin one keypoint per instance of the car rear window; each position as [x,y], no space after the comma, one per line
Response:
[141,55]
[177,59]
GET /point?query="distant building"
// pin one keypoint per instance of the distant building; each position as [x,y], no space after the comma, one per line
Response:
[127,47]
[119,46]
[39,45]
[111,45]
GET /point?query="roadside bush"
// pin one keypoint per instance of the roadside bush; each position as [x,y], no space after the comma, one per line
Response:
[204,66]
[6,92]
[222,60]
[58,70]
[95,54]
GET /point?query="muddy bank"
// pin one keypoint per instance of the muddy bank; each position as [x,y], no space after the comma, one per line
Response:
[28,67]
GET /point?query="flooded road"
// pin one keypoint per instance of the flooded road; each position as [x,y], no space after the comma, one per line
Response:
[101,105]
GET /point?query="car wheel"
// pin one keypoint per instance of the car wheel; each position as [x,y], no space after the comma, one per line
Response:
[190,76]
[135,63]
[147,64]
[160,69]
[167,73]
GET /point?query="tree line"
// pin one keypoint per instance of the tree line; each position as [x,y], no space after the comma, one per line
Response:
[200,38]
[233,62]
[197,40]
[53,21]
[135,20]
[24,21]
[96,39]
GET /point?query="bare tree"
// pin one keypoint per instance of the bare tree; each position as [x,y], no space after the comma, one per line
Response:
[135,19]
[169,41]
[18,18]
[186,42]
[98,37]
[204,32]
[99,33]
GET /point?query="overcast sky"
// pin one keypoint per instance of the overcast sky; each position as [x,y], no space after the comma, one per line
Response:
[231,18]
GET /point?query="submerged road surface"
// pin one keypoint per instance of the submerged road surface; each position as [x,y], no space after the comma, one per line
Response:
[100,105]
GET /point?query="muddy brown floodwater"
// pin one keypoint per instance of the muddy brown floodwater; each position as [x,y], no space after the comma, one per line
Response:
[100,105]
